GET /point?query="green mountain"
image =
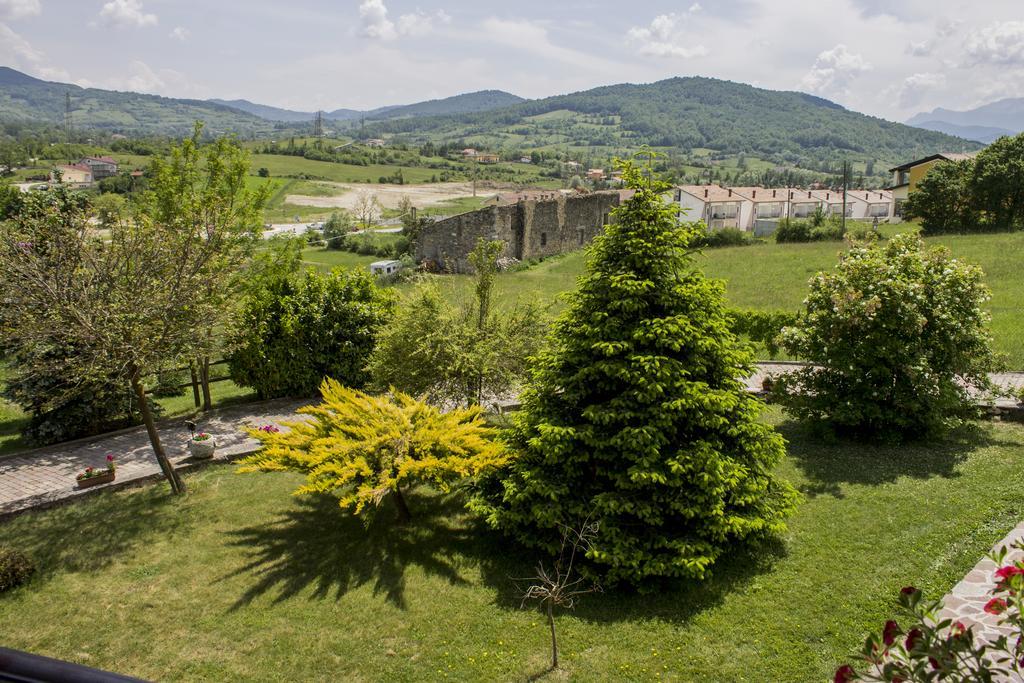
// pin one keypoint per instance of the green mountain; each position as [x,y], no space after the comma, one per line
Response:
[688,113]
[25,98]
[484,100]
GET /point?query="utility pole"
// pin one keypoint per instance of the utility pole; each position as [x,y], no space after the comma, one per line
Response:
[846,182]
[67,125]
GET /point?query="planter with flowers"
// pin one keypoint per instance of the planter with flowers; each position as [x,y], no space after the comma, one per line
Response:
[94,477]
[202,446]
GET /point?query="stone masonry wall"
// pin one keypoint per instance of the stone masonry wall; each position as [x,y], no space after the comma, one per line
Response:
[531,228]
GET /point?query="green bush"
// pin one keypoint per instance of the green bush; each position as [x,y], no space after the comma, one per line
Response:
[636,417]
[15,568]
[895,333]
[725,237]
[793,230]
[764,327]
[291,334]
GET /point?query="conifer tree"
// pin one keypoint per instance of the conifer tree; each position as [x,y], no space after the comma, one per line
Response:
[636,415]
[369,448]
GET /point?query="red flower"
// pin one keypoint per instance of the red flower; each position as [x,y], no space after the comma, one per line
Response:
[890,632]
[844,674]
[110,458]
[934,662]
[1009,571]
[995,606]
[88,469]
[913,638]
[957,630]
[908,590]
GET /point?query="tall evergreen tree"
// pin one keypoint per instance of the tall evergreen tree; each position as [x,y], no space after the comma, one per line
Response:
[636,416]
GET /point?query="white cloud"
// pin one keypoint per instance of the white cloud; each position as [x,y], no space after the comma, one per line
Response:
[998,43]
[915,87]
[662,37]
[126,13]
[180,33]
[16,50]
[377,24]
[834,70]
[919,49]
[19,9]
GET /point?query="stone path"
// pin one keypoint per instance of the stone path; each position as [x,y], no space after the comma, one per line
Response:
[966,601]
[47,475]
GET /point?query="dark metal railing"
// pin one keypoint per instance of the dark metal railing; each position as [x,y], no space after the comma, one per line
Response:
[23,667]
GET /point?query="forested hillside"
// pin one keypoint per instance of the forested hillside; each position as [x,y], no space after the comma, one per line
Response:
[689,113]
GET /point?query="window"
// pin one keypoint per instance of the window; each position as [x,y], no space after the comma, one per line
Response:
[769,209]
[898,210]
[543,239]
[719,211]
[878,210]
[604,218]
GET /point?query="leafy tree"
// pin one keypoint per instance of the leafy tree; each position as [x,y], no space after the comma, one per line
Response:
[997,185]
[894,333]
[109,208]
[127,306]
[458,354]
[202,192]
[10,200]
[367,209]
[943,199]
[263,172]
[371,448]
[292,333]
[336,227]
[636,415]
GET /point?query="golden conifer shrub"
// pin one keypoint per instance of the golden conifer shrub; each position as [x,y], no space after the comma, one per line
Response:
[366,448]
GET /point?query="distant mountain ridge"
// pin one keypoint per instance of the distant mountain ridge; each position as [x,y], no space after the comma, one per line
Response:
[691,113]
[483,100]
[985,123]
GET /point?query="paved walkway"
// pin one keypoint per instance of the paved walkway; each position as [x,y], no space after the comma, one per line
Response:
[45,475]
[966,601]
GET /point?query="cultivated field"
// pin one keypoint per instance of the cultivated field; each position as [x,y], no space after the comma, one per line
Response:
[389,195]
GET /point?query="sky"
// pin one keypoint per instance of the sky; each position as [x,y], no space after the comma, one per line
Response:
[888,58]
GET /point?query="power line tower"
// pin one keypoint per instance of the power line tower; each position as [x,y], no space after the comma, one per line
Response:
[68,125]
[318,127]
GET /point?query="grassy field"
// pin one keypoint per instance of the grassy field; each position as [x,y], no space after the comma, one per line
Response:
[242,581]
[773,276]
[284,165]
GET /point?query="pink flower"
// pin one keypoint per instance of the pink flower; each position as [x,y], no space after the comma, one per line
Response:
[995,606]
[844,674]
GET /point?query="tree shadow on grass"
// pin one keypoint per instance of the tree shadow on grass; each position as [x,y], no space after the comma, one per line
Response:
[673,601]
[317,545]
[90,535]
[829,461]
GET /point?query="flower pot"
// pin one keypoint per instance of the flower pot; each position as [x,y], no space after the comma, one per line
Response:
[202,450]
[96,480]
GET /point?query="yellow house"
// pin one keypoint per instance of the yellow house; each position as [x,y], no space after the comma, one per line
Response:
[75,175]
[906,177]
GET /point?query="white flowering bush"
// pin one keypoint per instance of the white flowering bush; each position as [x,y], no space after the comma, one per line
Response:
[895,335]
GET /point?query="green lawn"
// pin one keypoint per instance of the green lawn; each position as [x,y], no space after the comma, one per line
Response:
[12,420]
[242,581]
[774,276]
[284,165]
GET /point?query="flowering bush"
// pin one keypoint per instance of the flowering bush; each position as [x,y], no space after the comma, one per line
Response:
[940,650]
[269,429]
[91,472]
[895,335]
[201,436]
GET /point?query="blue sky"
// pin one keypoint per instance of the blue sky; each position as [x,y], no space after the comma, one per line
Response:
[890,58]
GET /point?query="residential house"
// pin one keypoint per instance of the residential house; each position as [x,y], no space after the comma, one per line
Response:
[525,160]
[595,174]
[469,153]
[75,175]
[832,203]
[906,177]
[102,167]
[717,206]
[768,206]
[375,142]
[803,203]
[486,158]
[869,205]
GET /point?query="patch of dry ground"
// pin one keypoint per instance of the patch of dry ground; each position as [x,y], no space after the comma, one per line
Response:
[428,194]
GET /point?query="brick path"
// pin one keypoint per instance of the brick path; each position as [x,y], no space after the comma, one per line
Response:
[43,476]
[966,601]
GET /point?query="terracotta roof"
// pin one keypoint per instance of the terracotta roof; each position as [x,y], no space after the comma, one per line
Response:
[713,193]
[760,195]
[75,167]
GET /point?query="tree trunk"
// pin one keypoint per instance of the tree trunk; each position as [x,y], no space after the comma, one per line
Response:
[204,372]
[554,640]
[195,385]
[403,508]
[177,485]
